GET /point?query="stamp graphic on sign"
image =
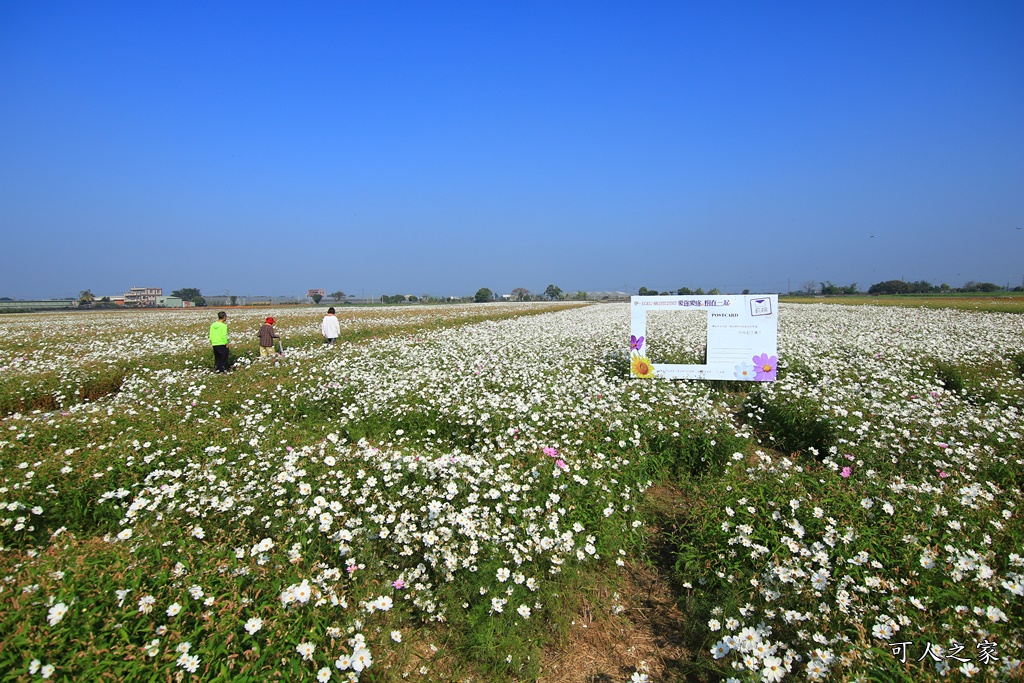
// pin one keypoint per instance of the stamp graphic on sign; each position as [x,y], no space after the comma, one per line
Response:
[741,339]
[762,306]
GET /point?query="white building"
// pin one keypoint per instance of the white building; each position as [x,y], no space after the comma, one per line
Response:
[142,296]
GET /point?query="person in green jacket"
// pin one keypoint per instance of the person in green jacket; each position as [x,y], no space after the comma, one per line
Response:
[219,341]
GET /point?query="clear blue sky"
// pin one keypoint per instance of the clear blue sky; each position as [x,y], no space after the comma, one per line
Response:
[440,147]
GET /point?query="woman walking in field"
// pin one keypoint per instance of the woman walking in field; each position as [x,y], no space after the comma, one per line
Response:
[330,327]
[267,337]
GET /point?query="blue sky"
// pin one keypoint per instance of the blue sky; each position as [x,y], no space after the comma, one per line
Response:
[415,147]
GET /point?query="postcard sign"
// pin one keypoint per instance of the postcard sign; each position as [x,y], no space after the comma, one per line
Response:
[742,337]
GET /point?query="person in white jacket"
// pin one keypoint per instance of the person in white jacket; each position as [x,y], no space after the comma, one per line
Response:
[330,327]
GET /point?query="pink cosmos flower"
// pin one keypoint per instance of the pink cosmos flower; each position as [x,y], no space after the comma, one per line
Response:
[398,583]
[942,474]
[550,452]
[560,464]
[846,472]
[765,367]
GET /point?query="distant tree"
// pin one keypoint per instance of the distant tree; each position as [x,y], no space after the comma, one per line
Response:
[698,292]
[199,301]
[483,295]
[827,287]
[86,297]
[944,287]
[684,291]
[581,296]
[746,291]
[552,292]
[187,293]
[643,291]
[889,287]
[316,298]
[901,287]
[714,292]
[809,286]
[922,287]
[234,299]
[337,296]
[521,294]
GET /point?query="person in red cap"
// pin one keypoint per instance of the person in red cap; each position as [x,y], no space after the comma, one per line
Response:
[267,337]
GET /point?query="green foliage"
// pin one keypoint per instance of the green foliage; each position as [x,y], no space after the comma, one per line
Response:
[316,298]
[187,293]
[552,292]
[790,424]
[689,450]
[950,376]
[830,289]
[901,287]
[986,287]
[1017,360]
[483,295]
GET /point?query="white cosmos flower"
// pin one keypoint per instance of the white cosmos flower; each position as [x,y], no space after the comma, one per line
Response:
[56,613]
[361,659]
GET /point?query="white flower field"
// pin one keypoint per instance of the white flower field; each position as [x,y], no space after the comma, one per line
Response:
[421,500]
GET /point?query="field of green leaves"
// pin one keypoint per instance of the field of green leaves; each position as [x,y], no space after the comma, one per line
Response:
[425,499]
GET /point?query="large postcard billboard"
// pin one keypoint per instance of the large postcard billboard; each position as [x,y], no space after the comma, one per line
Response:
[742,336]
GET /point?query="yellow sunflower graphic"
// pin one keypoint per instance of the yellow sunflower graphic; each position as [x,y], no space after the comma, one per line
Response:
[641,367]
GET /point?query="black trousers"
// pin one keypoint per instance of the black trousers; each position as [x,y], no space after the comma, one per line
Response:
[220,358]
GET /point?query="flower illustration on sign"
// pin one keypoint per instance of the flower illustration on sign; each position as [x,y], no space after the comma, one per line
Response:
[765,367]
[744,371]
[641,367]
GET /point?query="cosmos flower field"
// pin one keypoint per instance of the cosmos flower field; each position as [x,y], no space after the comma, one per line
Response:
[420,501]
